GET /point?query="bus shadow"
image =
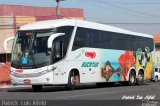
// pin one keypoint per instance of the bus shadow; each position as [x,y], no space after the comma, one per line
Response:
[62,88]
[108,85]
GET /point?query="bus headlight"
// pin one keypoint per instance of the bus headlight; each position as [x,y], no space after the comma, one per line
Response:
[51,68]
[33,74]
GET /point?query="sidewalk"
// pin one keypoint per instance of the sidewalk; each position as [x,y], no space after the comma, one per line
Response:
[12,86]
[5,75]
[5,78]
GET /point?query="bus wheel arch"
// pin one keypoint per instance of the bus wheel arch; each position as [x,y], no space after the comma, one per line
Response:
[73,79]
[140,77]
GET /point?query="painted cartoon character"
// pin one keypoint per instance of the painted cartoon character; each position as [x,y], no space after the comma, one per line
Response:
[148,68]
[108,71]
[126,61]
[139,57]
[144,60]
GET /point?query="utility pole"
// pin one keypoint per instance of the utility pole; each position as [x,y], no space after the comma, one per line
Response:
[58,14]
[58,9]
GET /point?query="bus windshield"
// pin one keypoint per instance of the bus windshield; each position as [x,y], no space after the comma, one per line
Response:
[30,49]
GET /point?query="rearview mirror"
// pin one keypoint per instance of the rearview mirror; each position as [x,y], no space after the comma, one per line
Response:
[52,37]
[6,41]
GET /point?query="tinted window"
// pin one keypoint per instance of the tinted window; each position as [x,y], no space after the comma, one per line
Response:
[66,38]
[60,44]
[109,40]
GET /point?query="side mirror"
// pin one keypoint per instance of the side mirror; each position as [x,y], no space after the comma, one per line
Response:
[6,41]
[52,37]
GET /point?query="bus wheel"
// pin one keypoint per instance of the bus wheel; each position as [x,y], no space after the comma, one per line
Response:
[73,81]
[132,78]
[156,79]
[140,78]
[37,88]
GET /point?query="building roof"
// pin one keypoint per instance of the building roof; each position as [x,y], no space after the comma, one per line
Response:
[17,10]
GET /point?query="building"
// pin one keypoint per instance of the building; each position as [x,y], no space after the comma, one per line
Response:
[157,49]
[14,16]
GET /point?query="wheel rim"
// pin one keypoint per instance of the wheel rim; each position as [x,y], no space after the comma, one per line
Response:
[140,77]
[72,81]
[156,79]
[132,79]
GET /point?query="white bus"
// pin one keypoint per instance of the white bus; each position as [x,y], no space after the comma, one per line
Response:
[72,52]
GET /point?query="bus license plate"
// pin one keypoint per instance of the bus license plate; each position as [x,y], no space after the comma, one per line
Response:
[27,81]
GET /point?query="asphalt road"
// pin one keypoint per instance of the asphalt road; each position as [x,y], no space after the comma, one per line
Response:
[85,92]
[112,94]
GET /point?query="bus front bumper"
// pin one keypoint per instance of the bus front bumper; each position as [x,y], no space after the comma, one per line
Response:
[46,79]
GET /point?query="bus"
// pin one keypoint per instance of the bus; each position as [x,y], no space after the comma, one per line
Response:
[73,52]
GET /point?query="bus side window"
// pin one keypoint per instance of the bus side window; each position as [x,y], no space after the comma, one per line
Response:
[79,39]
[1,59]
[57,51]
[58,46]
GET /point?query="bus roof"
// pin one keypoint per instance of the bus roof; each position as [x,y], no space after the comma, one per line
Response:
[71,22]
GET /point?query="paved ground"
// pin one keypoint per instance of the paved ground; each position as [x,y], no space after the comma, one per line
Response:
[147,91]
[84,92]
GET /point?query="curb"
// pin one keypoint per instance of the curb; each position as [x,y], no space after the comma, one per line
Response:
[12,86]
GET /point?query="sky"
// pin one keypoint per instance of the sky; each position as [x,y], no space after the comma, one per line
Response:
[143,14]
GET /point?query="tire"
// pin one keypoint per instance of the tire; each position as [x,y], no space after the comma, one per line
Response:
[73,81]
[77,80]
[132,78]
[140,79]
[156,79]
[37,88]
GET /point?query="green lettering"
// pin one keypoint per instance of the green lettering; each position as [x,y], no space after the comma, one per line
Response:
[89,64]
[83,64]
[96,65]
[92,64]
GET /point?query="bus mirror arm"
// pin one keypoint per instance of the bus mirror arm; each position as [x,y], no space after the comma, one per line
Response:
[52,37]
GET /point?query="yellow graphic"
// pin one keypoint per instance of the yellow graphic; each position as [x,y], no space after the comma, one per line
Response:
[144,60]
[138,59]
[148,69]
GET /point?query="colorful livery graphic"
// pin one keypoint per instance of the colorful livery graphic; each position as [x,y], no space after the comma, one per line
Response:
[72,52]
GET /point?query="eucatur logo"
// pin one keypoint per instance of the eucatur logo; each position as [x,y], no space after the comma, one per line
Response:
[90,54]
